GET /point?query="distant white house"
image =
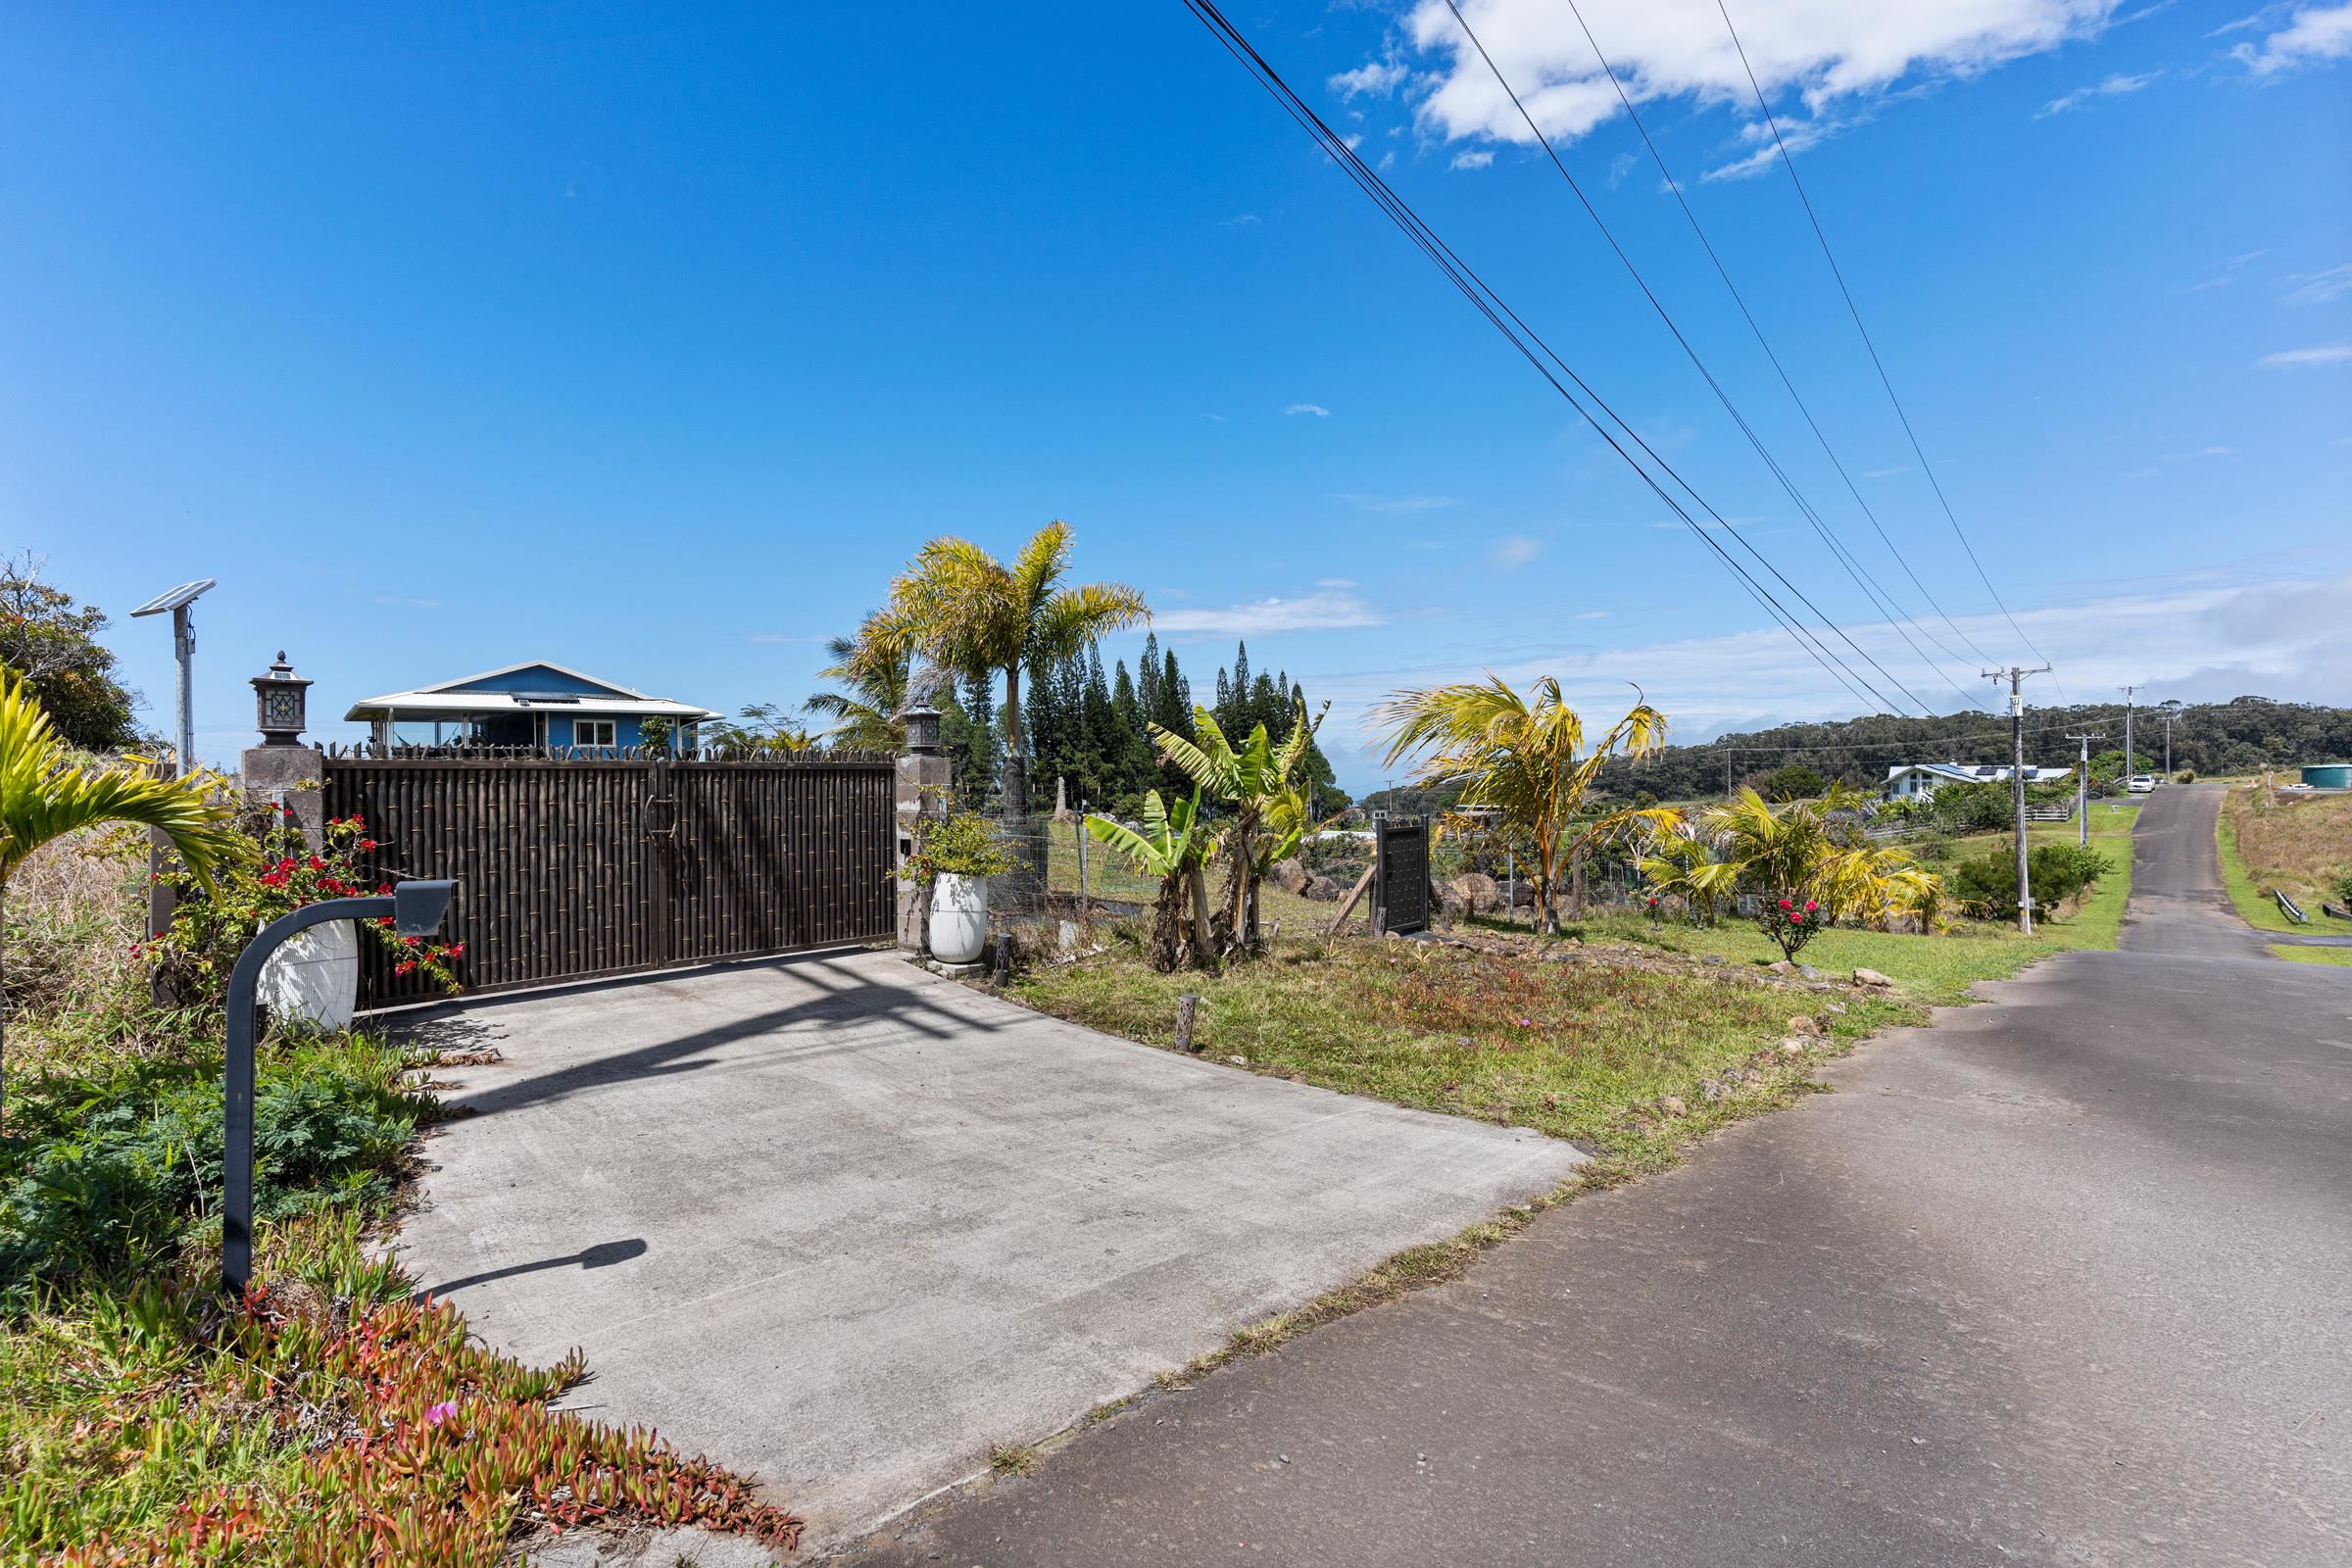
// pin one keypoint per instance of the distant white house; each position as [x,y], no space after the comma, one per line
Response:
[1917,779]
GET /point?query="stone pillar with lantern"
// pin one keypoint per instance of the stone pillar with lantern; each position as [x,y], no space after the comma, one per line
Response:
[281,771]
[925,775]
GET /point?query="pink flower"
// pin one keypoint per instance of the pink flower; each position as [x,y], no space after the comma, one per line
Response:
[1784,904]
[1810,905]
[440,1412]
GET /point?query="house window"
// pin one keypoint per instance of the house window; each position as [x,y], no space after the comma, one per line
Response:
[592,732]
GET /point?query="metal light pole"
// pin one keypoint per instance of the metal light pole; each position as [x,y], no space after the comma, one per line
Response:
[183,653]
[2131,763]
[2172,710]
[416,910]
[2083,789]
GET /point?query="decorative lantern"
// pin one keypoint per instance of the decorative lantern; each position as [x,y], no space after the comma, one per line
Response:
[923,729]
[280,699]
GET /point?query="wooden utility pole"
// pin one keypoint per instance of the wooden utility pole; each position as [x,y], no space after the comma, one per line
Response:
[2016,677]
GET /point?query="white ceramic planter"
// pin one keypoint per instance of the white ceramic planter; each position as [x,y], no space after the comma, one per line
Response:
[312,980]
[959,918]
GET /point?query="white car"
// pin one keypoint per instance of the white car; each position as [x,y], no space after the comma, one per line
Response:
[2142,784]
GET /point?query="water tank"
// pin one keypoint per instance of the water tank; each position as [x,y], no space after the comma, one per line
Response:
[2328,775]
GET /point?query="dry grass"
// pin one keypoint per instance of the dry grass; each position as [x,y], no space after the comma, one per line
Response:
[2271,843]
[75,911]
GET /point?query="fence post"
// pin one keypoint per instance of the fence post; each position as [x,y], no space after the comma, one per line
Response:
[921,790]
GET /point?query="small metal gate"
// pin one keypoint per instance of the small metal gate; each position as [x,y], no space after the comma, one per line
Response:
[1399,873]
[570,868]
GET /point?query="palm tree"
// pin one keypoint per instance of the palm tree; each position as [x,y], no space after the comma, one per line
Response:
[45,795]
[967,612]
[883,677]
[1801,851]
[1524,756]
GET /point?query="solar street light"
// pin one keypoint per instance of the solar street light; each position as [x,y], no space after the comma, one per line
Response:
[184,653]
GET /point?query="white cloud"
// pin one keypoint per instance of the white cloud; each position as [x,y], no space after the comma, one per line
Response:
[1513,551]
[1477,159]
[2228,274]
[2114,86]
[1331,607]
[2317,33]
[1885,473]
[1375,78]
[1589,615]
[1840,57]
[1315,409]
[2298,359]
[1239,221]
[2319,288]
[1621,166]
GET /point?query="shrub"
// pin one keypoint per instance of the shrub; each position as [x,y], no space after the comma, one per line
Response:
[2187,775]
[966,843]
[112,1172]
[1791,920]
[1987,885]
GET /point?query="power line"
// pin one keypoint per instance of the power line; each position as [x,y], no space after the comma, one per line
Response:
[1521,336]
[1804,507]
[1676,186]
[1855,312]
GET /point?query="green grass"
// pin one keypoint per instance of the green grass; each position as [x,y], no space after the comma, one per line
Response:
[2258,908]
[2341,956]
[2311,835]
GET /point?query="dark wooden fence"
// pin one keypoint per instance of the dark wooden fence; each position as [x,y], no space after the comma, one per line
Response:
[570,867]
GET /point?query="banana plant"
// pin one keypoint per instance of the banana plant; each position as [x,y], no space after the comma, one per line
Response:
[1171,846]
[1254,778]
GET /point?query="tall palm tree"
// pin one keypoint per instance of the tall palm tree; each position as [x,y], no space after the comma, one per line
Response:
[967,612]
[882,676]
[1524,756]
[45,795]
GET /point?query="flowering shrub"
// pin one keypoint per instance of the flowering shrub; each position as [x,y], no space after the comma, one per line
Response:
[1791,920]
[209,929]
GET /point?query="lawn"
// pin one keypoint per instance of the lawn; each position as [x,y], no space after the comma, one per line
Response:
[2341,956]
[2304,846]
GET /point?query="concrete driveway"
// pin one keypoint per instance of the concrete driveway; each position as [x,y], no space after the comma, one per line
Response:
[841,1224]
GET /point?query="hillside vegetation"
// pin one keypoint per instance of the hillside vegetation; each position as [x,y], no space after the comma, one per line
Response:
[2238,736]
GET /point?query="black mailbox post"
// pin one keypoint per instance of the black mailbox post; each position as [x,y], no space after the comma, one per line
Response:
[416,910]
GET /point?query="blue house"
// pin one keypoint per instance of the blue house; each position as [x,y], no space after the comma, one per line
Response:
[537,704]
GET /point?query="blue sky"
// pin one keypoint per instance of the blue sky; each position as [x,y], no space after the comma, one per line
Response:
[464,335]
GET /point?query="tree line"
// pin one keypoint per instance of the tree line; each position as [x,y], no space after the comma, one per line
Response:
[2241,735]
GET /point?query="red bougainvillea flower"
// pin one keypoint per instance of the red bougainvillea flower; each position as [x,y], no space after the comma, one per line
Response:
[455,952]
[404,967]
[367,844]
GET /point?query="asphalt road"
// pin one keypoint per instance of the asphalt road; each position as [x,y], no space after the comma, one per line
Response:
[2063,1280]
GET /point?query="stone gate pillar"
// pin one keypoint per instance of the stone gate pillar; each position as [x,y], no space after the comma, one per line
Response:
[923,791]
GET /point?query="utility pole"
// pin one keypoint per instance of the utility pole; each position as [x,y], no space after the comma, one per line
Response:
[2131,763]
[2082,788]
[2016,676]
[2170,710]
